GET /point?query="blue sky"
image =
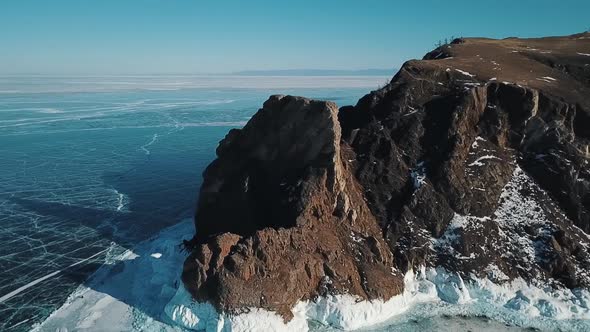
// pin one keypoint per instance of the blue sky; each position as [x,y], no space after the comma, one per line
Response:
[193,36]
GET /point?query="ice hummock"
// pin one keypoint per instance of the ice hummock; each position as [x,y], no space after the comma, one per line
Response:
[138,291]
[434,290]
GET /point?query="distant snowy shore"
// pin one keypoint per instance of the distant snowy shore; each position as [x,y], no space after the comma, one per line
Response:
[51,84]
[140,289]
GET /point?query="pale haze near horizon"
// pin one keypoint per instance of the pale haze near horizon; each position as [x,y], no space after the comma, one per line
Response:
[109,37]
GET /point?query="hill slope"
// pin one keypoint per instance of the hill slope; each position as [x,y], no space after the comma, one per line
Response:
[474,159]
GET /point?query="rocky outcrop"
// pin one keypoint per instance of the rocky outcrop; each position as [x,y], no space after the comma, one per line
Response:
[281,217]
[474,158]
[444,139]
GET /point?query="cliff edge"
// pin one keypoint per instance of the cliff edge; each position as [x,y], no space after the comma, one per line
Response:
[474,159]
[281,218]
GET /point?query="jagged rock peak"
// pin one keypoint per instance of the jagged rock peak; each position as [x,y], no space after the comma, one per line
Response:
[281,219]
[245,187]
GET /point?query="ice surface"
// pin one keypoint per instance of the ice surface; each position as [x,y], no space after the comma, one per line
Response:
[133,289]
[74,178]
[75,182]
[152,141]
[23,288]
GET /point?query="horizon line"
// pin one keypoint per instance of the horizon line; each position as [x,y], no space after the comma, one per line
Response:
[248,72]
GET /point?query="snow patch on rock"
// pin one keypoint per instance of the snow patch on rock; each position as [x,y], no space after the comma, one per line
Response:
[479,160]
[465,73]
[418,175]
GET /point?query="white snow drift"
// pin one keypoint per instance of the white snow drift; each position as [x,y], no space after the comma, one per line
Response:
[141,290]
[433,285]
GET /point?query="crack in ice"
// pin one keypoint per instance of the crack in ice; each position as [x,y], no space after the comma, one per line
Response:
[144,147]
[39,280]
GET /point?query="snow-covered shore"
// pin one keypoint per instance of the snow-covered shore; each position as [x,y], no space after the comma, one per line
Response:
[515,303]
[130,291]
[140,289]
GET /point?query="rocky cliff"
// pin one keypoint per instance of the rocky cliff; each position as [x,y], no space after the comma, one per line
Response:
[474,159]
[282,218]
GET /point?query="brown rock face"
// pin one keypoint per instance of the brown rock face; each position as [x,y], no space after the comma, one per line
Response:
[474,158]
[461,121]
[282,219]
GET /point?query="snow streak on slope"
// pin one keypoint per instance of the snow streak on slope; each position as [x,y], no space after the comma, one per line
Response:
[524,227]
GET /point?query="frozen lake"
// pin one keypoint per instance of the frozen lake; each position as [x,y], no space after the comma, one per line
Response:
[99,177]
[92,166]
